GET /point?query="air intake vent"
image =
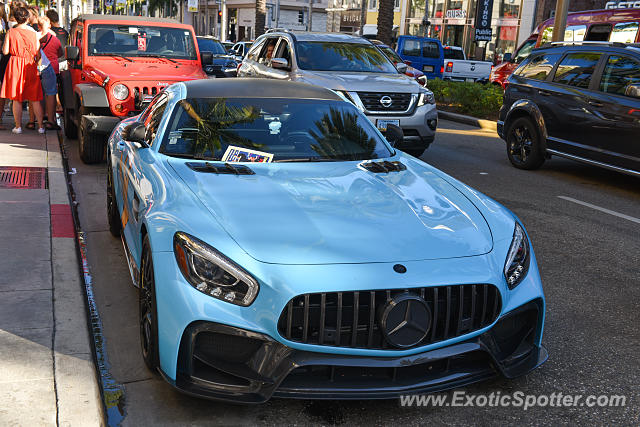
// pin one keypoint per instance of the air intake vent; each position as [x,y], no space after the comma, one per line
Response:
[383,167]
[220,168]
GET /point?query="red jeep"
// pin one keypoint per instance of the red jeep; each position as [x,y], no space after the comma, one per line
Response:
[116,65]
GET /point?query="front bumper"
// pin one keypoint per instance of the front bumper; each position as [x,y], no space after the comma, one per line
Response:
[419,128]
[228,363]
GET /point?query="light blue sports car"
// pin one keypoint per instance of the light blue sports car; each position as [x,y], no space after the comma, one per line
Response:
[283,247]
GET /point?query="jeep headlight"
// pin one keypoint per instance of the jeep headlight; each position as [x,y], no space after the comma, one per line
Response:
[517,263]
[212,273]
[120,92]
[426,97]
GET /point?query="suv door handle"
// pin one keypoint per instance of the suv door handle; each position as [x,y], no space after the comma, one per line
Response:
[544,92]
[595,103]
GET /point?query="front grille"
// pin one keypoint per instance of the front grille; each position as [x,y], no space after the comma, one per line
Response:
[142,95]
[350,319]
[371,101]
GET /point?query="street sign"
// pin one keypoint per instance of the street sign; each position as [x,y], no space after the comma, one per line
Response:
[484,32]
[193,5]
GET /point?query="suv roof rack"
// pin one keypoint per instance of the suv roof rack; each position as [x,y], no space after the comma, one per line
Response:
[588,43]
[277,30]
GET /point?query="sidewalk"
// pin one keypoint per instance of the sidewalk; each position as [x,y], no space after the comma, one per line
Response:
[47,369]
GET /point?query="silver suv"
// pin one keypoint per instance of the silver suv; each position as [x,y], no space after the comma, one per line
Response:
[356,69]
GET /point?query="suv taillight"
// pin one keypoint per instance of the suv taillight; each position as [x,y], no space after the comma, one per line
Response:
[449,67]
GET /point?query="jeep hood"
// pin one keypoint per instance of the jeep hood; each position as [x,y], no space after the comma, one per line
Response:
[326,213]
[154,70]
[360,82]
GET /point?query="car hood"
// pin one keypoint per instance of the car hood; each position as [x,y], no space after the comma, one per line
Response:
[327,213]
[360,82]
[147,69]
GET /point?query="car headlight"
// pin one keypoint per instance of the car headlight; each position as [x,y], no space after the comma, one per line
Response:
[422,80]
[212,273]
[517,263]
[120,92]
[426,97]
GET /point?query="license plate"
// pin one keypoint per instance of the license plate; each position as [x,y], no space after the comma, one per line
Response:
[427,68]
[470,80]
[382,124]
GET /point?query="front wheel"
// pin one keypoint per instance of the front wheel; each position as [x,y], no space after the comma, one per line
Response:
[524,144]
[70,128]
[148,313]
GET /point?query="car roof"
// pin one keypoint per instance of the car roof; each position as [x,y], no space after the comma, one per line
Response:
[591,46]
[256,88]
[308,36]
[124,18]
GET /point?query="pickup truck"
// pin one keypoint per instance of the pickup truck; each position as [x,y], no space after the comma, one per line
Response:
[458,68]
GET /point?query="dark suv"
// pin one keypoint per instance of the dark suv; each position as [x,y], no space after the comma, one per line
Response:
[575,100]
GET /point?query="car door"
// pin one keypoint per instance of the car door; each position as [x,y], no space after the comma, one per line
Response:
[282,50]
[411,52]
[134,189]
[616,104]
[432,58]
[250,61]
[569,94]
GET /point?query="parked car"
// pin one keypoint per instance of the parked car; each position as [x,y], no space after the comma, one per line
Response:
[575,100]
[460,69]
[116,65]
[282,248]
[228,46]
[240,49]
[393,56]
[615,25]
[355,68]
[222,64]
[425,54]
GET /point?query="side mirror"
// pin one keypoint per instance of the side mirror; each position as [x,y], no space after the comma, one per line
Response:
[632,91]
[393,135]
[402,67]
[507,57]
[279,63]
[71,53]
[206,58]
[135,132]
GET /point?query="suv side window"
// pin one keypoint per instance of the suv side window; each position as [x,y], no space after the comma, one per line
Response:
[539,67]
[619,73]
[576,69]
[255,50]
[411,47]
[283,50]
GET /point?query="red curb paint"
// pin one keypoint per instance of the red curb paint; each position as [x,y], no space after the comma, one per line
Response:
[61,221]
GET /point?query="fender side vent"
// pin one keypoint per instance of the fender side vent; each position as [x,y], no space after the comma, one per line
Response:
[220,168]
[383,167]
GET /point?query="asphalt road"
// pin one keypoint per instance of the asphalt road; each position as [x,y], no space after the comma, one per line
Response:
[589,261]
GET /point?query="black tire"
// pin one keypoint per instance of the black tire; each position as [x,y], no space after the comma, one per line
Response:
[70,128]
[148,313]
[91,145]
[524,144]
[113,214]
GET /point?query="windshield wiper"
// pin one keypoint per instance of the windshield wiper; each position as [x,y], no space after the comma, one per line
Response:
[306,159]
[150,55]
[190,156]
[113,54]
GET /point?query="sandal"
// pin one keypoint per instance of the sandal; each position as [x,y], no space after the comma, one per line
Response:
[31,125]
[51,126]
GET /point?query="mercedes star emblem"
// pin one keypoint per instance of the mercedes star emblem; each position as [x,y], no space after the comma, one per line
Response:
[386,101]
[405,320]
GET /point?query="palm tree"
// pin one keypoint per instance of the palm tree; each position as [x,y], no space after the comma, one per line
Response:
[385,21]
[261,15]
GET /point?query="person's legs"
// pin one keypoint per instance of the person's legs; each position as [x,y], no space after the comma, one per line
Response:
[49,89]
[2,127]
[51,109]
[17,113]
[31,122]
[37,109]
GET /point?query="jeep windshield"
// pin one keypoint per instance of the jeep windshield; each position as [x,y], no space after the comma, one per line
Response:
[335,56]
[288,130]
[141,41]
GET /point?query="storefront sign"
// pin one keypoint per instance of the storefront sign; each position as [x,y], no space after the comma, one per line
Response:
[483,20]
[350,18]
[193,5]
[456,13]
[622,5]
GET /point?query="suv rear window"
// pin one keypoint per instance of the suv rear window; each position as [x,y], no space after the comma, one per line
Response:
[539,67]
[619,73]
[576,69]
[430,50]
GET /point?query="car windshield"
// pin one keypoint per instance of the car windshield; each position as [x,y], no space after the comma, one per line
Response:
[453,53]
[213,46]
[288,129]
[391,54]
[136,40]
[335,56]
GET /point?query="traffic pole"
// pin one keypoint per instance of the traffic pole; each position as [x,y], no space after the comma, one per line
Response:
[310,15]
[560,20]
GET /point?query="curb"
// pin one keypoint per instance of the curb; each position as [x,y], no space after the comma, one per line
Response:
[79,398]
[468,120]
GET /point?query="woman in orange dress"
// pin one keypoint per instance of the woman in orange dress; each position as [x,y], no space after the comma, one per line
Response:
[21,81]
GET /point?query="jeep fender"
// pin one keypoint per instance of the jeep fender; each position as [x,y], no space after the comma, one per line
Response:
[91,95]
[525,107]
[68,99]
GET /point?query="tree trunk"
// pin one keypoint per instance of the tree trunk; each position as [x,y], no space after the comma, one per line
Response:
[261,14]
[385,22]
